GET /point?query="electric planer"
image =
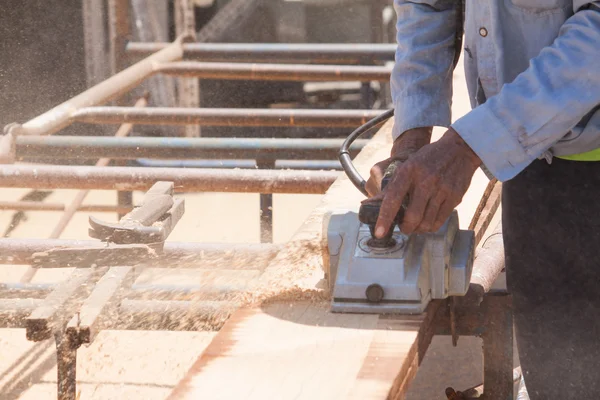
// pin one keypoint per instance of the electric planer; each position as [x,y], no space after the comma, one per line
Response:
[398,273]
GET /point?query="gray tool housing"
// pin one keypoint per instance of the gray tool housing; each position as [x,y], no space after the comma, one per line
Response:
[405,277]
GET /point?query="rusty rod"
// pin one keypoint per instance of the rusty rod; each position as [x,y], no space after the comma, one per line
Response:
[164,148]
[134,314]
[174,255]
[276,72]
[186,180]
[277,52]
[37,206]
[60,116]
[225,116]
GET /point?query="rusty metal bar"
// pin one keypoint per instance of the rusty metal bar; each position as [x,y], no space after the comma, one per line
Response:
[498,347]
[60,116]
[224,116]
[37,206]
[66,367]
[188,89]
[10,291]
[277,52]
[134,314]
[186,180]
[120,33]
[276,72]
[91,147]
[244,164]
[266,206]
[174,255]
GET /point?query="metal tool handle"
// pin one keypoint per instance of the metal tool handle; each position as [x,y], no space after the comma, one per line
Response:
[369,212]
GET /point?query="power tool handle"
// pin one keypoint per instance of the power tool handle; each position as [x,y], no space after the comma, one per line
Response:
[388,175]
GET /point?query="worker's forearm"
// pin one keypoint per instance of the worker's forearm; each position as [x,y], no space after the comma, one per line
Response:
[546,101]
[421,81]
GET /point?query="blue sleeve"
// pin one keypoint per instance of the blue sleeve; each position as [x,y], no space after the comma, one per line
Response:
[532,113]
[421,80]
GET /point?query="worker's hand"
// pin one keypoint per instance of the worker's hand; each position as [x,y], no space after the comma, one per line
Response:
[408,143]
[436,178]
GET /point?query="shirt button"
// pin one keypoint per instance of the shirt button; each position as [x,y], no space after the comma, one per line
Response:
[483,32]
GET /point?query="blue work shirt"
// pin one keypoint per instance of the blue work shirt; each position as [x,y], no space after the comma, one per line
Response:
[532,70]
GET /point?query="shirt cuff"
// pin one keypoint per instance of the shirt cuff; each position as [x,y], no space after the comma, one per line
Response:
[419,111]
[498,149]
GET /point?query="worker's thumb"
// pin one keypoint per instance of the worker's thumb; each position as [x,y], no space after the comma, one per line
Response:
[373,185]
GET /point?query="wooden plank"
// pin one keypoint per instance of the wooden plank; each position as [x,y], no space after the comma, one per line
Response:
[103,301]
[292,348]
[58,307]
[301,350]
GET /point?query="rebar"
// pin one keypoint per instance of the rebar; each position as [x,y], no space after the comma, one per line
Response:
[37,206]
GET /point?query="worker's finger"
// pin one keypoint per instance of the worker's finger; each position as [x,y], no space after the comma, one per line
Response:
[393,196]
[373,185]
[415,211]
[428,223]
[443,214]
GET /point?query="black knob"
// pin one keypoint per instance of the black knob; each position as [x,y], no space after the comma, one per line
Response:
[369,212]
[374,293]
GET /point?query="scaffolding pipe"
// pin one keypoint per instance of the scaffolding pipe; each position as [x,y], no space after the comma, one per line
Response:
[174,254]
[38,206]
[60,116]
[225,116]
[276,72]
[186,180]
[277,52]
[133,314]
[127,148]
[318,165]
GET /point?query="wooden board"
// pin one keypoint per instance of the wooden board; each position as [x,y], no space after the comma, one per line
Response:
[289,348]
[302,351]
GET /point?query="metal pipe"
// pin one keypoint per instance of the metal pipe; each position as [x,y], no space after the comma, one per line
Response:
[136,314]
[224,116]
[247,164]
[88,147]
[60,116]
[186,180]
[276,72]
[266,207]
[277,52]
[37,206]
[174,255]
